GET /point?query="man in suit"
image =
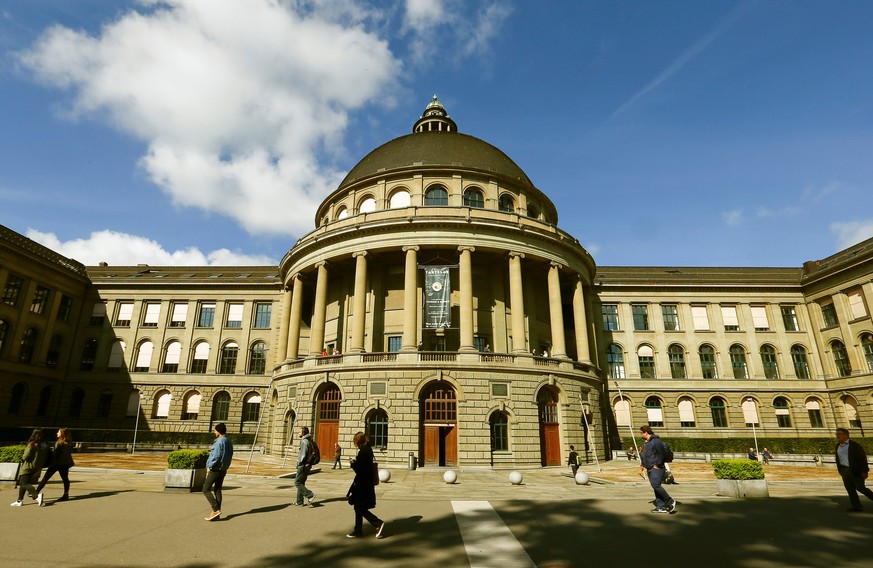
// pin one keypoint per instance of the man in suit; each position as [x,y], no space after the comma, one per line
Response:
[853,468]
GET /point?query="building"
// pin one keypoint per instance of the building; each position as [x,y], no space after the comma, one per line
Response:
[438,306]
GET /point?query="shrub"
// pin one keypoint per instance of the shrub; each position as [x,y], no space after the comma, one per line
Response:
[187,459]
[11,454]
[741,445]
[738,469]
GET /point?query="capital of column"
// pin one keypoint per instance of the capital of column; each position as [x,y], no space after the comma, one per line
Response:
[463,248]
[558,265]
[410,247]
[321,264]
[515,254]
[359,253]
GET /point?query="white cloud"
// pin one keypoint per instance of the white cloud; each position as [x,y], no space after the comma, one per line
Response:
[788,211]
[121,249]
[815,194]
[732,217]
[593,249]
[852,232]
[238,102]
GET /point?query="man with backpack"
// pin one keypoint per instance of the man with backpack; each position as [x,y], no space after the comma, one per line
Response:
[308,456]
[654,455]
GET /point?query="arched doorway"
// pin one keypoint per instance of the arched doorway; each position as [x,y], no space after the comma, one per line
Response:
[327,412]
[439,424]
[550,434]
[288,433]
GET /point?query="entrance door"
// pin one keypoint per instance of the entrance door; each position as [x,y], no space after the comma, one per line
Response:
[550,438]
[328,435]
[327,426]
[440,426]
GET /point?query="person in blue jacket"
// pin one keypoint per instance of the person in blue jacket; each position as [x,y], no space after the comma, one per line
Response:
[217,465]
[652,461]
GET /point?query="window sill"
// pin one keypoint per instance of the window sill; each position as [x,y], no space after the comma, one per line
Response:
[830,327]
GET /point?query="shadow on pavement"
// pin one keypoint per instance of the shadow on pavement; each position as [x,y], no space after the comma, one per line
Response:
[259,510]
[96,494]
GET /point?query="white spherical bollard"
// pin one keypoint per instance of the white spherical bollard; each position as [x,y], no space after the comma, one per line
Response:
[582,478]
[450,476]
[516,478]
[384,475]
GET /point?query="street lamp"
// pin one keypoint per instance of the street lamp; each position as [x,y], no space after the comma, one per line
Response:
[751,401]
[136,425]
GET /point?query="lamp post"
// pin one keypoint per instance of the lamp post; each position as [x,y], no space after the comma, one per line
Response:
[751,401]
[136,426]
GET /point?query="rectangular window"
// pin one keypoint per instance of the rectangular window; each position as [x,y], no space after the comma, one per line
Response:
[671,317]
[65,308]
[481,344]
[152,314]
[729,316]
[646,358]
[641,317]
[40,300]
[750,413]
[655,415]
[789,318]
[700,317]
[856,303]
[378,388]
[500,390]
[395,342]
[610,317]
[124,315]
[98,314]
[783,417]
[180,314]
[759,318]
[829,314]
[206,316]
[263,311]
[234,315]
[104,404]
[12,290]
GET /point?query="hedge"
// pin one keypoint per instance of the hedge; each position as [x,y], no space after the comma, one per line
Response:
[742,445]
[11,454]
[187,459]
[96,435]
[738,469]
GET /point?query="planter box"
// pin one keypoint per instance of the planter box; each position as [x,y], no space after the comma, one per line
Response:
[184,480]
[743,488]
[9,471]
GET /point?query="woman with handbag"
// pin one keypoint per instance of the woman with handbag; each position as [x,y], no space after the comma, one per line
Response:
[361,494]
[61,463]
[35,454]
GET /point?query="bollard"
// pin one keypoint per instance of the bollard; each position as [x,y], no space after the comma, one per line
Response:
[411,461]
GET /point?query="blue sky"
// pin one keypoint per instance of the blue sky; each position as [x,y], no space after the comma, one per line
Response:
[666,133]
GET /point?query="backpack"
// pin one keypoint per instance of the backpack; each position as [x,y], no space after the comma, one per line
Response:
[314,454]
[668,452]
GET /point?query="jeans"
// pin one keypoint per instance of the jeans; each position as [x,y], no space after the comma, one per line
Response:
[854,484]
[360,515]
[63,470]
[25,484]
[337,462]
[662,498]
[300,484]
[214,479]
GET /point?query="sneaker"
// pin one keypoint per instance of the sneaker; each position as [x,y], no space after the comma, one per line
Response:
[659,510]
[214,516]
[671,508]
[310,499]
[380,531]
[39,500]
[16,503]
[353,535]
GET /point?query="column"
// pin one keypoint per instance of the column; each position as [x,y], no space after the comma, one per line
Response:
[466,290]
[316,335]
[516,303]
[410,300]
[359,303]
[293,349]
[282,352]
[556,314]
[579,324]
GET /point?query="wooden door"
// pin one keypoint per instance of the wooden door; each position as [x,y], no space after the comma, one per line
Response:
[327,436]
[449,435]
[431,445]
[551,444]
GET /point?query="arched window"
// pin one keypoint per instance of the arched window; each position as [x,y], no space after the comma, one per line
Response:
[615,361]
[133,402]
[686,412]
[45,396]
[533,211]
[258,358]
[655,411]
[191,405]
[399,199]
[499,422]
[16,398]
[251,407]
[646,358]
[28,345]
[801,365]
[677,361]
[768,359]
[201,357]
[220,407]
[77,399]
[161,407]
[707,362]
[783,411]
[506,204]
[144,357]
[171,359]
[104,404]
[53,354]
[621,407]
[377,429]
[867,348]
[750,411]
[89,355]
[4,331]
[473,198]
[436,197]
[718,410]
[368,205]
[850,406]
[227,363]
[738,361]
[813,409]
[342,214]
[841,359]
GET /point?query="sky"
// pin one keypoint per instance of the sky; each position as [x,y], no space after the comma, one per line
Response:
[193,132]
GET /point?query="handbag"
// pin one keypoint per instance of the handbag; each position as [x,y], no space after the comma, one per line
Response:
[375,474]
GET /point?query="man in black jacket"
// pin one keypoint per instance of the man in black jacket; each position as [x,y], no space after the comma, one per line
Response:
[853,468]
[652,461]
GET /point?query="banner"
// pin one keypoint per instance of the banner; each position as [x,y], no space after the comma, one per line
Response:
[437,292]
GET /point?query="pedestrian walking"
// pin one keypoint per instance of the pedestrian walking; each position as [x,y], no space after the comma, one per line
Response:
[32,461]
[853,468]
[303,467]
[361,494]
[62,461]
[337,456]
[573,460]
[652,461]
[217,465]
[766,456]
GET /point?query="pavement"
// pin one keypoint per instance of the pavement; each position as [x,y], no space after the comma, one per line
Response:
[124,518]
